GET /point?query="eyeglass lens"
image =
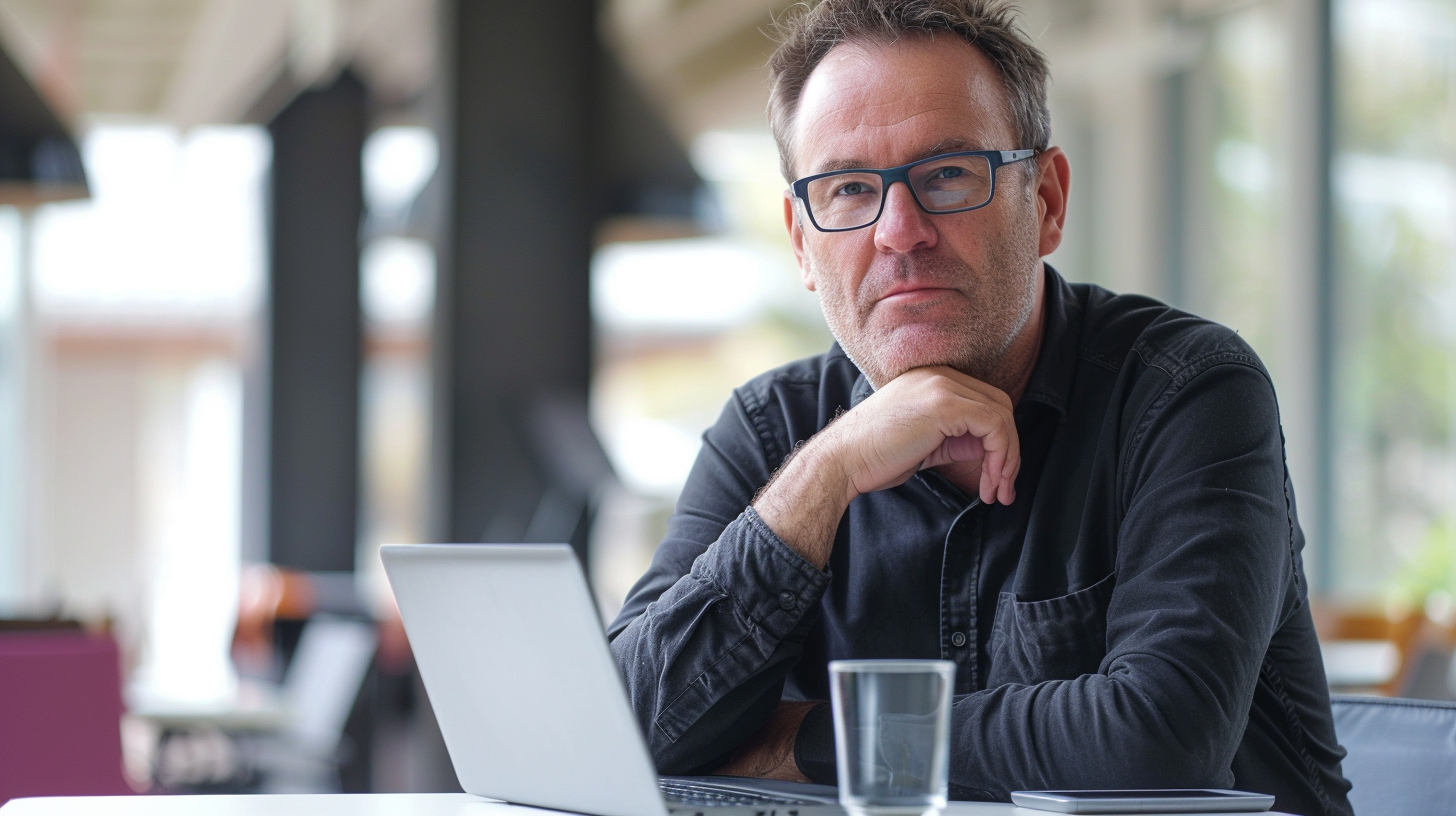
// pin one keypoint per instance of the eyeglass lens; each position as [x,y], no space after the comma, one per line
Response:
[849,200]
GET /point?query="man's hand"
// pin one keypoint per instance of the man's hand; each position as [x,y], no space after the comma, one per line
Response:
[769,753]
[927,417]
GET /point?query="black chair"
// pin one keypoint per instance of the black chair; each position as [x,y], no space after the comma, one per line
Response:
[1402,755]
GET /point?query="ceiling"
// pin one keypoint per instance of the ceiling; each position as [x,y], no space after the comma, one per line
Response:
[702,62]
[196,62]
[201,61]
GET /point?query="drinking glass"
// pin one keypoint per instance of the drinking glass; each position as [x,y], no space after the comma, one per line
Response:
[892,734]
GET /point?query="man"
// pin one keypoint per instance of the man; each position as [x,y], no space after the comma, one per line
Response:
[1079,498]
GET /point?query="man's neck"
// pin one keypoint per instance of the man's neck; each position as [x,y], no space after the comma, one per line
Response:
[1020,360]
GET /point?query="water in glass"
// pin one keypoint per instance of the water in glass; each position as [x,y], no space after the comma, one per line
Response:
[892,734]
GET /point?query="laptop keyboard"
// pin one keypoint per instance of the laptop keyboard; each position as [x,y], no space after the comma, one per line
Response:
[693,795]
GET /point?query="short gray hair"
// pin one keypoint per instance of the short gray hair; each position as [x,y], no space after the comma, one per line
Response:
[807,33]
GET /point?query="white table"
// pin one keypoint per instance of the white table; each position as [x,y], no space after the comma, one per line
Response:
[343,804]
[257,706]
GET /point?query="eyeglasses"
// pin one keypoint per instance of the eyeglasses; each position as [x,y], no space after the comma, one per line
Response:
[949,183]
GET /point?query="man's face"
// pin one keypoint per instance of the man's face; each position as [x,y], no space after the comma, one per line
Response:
[915,289]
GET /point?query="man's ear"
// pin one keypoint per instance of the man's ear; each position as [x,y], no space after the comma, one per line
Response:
[1053,183]
[796,239]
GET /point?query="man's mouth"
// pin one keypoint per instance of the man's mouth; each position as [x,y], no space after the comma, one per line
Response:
[911,294]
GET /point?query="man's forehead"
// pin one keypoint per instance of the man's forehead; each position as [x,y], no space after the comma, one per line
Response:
[869,104]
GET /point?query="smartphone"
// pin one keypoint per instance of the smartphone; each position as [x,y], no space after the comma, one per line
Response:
[1144,801]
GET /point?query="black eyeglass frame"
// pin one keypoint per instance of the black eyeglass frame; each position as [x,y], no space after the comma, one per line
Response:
[996,158]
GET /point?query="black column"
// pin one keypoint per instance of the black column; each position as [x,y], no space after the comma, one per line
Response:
[513,456]
[313,329]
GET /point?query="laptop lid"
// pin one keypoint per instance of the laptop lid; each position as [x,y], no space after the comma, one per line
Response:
[517,669]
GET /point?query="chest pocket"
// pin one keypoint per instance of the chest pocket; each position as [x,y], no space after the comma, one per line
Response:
[1055,639]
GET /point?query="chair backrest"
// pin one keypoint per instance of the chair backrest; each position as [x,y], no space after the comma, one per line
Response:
[60,715]
[328,668]
[1402,755]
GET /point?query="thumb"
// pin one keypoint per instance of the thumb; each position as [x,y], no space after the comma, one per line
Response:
[964,448]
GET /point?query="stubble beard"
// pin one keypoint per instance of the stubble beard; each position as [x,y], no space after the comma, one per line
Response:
[976,341]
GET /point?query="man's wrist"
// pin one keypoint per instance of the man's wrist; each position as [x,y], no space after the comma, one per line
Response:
[814,746]
[805,499]
[770,752]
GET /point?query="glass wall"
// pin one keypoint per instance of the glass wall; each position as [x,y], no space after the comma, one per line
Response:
[144,300]
[680,323]
[1393,540]
[1395,199]
[1236,109]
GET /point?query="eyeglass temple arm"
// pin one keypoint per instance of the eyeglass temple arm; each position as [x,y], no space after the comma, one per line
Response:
[1009,156]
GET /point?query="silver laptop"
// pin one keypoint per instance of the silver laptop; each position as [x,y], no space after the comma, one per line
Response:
[528,698]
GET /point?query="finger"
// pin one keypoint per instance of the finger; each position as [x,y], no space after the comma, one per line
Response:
[1009,472]
[963,448]
[995,410]
[1007,491]
[1011,482]
[1012,468]
[985,389]
[967,411]
[994,425]
[990,476]
[1003,459]
[980,386]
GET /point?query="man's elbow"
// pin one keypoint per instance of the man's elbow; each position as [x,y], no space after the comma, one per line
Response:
[685,756]
[1154,762]
[1163,741]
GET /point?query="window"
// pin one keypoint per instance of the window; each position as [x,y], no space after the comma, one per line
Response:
[1395,209]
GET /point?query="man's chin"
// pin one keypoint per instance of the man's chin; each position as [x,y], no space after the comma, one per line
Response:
[916,346]
[886,361]
[883,349]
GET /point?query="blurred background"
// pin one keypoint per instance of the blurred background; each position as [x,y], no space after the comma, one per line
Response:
[285,280]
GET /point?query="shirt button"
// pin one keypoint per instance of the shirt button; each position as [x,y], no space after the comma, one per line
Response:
[786,599]
[958,639]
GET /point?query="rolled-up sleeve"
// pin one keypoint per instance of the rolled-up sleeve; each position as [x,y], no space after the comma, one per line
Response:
[708,634]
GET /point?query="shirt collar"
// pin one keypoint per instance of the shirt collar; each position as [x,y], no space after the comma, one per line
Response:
[1051,379]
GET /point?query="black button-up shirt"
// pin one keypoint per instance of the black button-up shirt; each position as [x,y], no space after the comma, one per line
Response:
[1137,618]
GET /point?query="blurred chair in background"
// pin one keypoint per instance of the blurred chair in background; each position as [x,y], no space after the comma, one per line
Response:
[323,681]
[273,606]
[303,670]
[1402,755]
[1366,651]
[1429,667]
[1404,655]
[60,715]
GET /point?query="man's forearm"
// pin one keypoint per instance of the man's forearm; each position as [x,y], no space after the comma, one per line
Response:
[769,753]
[805,500]
[738,619]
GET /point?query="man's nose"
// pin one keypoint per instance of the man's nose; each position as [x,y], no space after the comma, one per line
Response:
[903,226]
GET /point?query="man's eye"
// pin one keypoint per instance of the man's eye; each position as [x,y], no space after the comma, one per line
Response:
[853,188]
[949,172]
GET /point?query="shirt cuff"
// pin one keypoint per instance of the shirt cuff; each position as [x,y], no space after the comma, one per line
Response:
[768,579]
[814,746]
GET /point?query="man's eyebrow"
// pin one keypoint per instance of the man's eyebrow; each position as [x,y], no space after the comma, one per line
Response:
[952,144]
